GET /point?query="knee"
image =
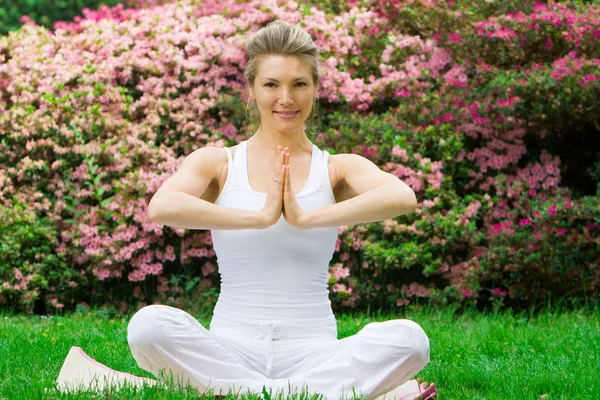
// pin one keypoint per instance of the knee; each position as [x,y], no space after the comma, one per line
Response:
[419,342]
[412,339]
[148,325]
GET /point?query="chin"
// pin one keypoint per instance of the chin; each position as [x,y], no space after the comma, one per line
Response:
[288,126]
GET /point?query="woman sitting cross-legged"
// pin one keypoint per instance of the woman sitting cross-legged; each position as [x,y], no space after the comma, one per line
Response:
[273,204]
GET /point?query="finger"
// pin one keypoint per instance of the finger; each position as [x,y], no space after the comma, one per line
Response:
[279,158]
[279,172]
[287,166]
[285,161]
[288,181]
[281,177]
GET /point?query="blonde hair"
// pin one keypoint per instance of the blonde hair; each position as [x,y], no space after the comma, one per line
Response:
[281,38]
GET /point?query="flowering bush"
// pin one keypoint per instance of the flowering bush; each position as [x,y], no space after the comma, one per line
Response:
[97,114]
[31,274]
[46,12]
[539,247]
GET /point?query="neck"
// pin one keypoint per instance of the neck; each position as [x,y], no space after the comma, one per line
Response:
[296,142]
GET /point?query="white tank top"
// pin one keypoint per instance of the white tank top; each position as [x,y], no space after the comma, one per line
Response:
[276,275]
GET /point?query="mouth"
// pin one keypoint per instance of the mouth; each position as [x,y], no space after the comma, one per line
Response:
[287,114]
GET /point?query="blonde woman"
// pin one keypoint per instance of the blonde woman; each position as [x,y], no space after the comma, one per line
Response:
[273,204]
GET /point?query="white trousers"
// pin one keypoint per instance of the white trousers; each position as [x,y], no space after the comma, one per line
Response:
[242,358]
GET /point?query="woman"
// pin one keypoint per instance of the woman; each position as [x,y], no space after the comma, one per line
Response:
[274,204]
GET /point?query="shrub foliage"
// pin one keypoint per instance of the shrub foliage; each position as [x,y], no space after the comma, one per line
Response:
[486,109]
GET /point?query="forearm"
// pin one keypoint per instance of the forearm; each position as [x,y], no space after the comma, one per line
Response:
[383,202]
[181,210]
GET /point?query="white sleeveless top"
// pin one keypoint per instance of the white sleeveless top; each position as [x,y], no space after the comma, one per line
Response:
[277,275]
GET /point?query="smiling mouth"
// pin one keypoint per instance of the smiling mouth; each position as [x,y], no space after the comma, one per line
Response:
[287,113]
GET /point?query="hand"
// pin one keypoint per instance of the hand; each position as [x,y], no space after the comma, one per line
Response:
[271,211]
[293,214]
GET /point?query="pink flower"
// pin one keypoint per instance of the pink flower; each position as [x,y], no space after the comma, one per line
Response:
[552,209]
[524,222]
[208,268]
[400,153]
[340,272]
[561,231]
[499,292]
[401,302]
[467,293]
[568,204]
[339,287]
[18,275]
[455,38]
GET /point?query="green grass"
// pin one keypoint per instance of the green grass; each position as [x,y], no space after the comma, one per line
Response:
[473,355]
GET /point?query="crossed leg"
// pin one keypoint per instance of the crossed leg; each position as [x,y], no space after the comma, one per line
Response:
[378,359]
[167,339]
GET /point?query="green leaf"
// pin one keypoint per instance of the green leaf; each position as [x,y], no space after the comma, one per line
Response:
[191,284]
[107,201]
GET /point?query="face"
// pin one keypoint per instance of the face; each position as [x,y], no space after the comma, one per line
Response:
[284,92]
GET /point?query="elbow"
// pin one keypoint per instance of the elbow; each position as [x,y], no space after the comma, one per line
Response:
[408,201]
[413,201]
[154,210]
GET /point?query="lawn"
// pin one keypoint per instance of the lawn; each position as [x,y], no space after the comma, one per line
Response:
[544,356]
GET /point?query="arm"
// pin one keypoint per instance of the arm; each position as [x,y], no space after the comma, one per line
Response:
[177,202]
[380,196]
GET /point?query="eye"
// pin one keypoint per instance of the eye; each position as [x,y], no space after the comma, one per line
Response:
[271,84]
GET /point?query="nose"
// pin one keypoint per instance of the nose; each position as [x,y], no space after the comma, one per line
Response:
[286,97]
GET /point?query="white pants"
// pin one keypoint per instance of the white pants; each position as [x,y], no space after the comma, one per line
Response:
[240,357]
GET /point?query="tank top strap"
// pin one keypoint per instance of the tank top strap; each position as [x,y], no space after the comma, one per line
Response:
[231,181]
[326,182]
[229,158]
[230,163]
[240,159]
[325,161]
[240,165]
[314,171]
[237,165]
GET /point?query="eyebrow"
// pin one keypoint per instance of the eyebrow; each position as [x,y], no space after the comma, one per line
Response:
[297,79]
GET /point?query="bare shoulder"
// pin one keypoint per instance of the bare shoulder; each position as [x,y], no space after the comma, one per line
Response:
[343,164]
[355,174]
[209,159]
[198,170]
